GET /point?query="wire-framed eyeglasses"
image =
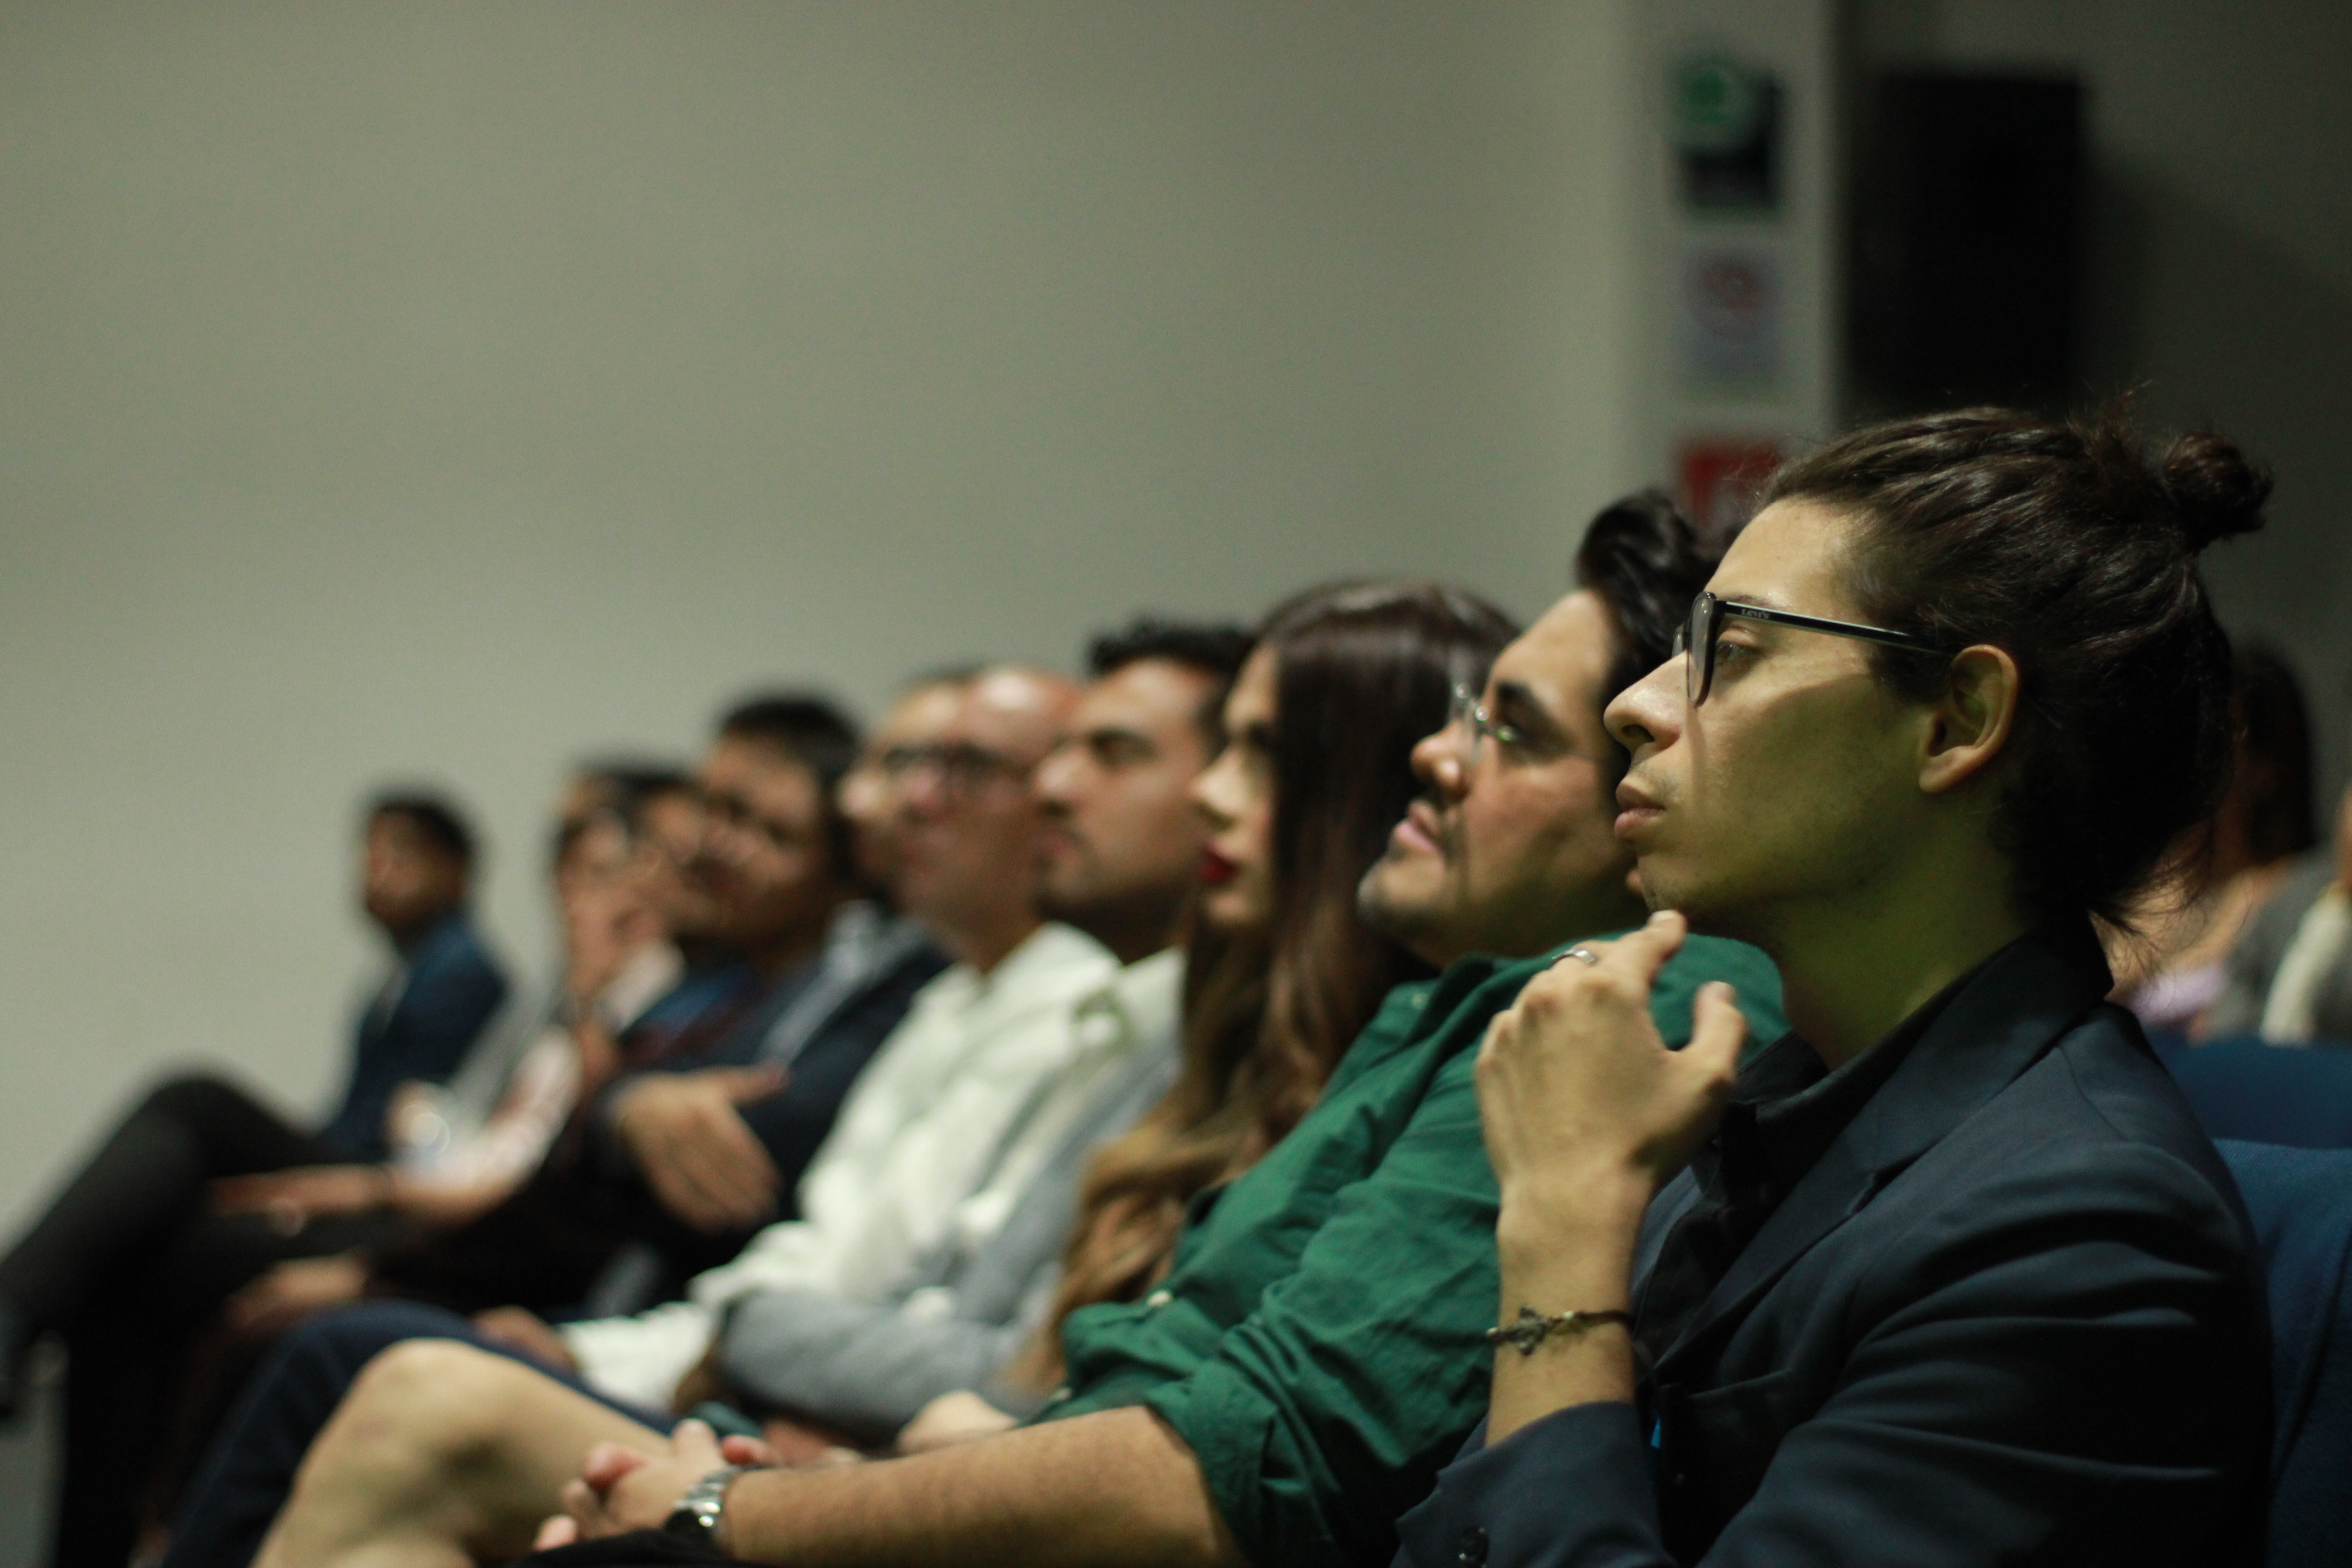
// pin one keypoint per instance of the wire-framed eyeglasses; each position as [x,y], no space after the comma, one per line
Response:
[1697,637]
[1467,717]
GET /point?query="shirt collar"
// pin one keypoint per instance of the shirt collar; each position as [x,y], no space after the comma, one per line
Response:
[1787,1109]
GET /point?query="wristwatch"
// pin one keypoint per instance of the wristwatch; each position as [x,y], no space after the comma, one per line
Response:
[695,1517]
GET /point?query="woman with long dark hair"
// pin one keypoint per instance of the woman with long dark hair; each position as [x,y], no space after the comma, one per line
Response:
[1284,975]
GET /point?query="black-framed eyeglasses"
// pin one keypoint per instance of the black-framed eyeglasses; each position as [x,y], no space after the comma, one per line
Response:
[1697,637]
[960,768]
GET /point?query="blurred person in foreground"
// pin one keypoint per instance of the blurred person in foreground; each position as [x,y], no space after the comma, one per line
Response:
[2174,970]
[1948,1275]
[1312,1353]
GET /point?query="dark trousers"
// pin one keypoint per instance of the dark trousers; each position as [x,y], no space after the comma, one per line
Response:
[245,1478]
[129,1265]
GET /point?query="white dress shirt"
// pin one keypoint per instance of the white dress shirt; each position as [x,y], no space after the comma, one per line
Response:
[974,1057]
[458,1138]
[2291,1011]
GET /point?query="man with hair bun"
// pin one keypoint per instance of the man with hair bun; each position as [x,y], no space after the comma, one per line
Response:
[1950,1274]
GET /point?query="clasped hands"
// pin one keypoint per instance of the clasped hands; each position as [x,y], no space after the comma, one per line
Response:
[620,1490]
[1586,1112]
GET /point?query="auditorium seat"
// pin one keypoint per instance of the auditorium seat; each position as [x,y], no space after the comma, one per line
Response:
[2301,1201]
[2296,1095]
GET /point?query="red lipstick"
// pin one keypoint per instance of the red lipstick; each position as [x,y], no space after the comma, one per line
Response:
[1216,871]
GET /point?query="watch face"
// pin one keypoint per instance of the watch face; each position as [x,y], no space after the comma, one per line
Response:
[690,1522]
[696,1517]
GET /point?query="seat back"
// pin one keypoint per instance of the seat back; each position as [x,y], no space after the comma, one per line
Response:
[2296,1095]
[2301,1203]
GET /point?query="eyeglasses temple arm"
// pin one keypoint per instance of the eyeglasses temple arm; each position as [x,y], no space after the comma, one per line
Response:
[1817,624]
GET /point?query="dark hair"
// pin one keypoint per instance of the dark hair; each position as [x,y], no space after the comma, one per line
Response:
[618,791]
[2270,794]
[1216,651]
[1643,559]
[436,821]
[2060,542]
[1362,673]
[813,733]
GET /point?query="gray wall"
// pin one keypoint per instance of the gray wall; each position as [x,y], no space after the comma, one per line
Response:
[445,390]
[2221,257]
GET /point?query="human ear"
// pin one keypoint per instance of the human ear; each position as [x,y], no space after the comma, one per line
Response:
[1969,726]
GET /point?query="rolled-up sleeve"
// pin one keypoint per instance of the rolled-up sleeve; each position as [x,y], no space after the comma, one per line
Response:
[1331,1407]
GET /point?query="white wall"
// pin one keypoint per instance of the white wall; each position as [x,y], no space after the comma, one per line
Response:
[2219,258]
[447,390]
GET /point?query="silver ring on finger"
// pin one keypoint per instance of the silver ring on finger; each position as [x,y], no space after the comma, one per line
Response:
[1585,953]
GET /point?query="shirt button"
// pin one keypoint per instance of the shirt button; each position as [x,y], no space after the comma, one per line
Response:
[1158,1299]
[1470,1550]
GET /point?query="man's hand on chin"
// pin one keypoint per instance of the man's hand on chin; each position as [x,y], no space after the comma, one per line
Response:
[621,1489]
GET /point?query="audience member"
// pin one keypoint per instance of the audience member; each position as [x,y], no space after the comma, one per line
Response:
[2173,968]
[461,1149]
[1002,1043]
[416,875]
[1294,1379]
[868,797]
[1296,811]
[2288,977]
[1950,1274]
[1317,768]
[127,1261]
[1121,852]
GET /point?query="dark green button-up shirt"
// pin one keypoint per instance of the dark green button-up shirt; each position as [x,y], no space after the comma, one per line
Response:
[1319,1339]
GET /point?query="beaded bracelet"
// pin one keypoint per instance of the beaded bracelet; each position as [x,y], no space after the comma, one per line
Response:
[1531,1328]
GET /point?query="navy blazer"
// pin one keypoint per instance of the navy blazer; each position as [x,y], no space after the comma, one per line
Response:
[2012,1315]
[419,1028]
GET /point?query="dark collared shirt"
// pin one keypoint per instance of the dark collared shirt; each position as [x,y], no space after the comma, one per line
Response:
[1785,1112]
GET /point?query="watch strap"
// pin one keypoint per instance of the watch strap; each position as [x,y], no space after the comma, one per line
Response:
[695,1517]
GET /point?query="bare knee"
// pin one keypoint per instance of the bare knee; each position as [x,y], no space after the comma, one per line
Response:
[437,1397]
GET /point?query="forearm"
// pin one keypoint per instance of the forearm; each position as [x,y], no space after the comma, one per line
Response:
[1115,1488]
[444,1203]
[867,1369]
[1573,1255]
